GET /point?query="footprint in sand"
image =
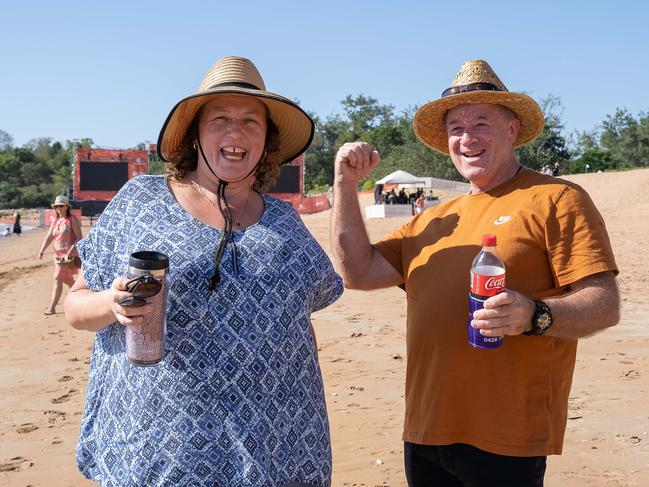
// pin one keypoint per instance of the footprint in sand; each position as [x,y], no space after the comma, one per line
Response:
[631,374]
[53,416]
[65,378]
[16,464]
[64,397]
[27,428]
[61,399]
[632,439]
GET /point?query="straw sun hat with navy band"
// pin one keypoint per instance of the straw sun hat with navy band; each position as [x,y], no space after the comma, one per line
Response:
[237,75]
[476,82]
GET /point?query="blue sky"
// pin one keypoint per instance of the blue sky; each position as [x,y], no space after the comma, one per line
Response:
[111,71]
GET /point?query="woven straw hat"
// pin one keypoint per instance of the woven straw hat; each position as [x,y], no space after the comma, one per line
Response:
[476,82]
[237,75]
[61,201]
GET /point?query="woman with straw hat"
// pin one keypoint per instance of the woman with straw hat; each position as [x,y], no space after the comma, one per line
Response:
[238,399]
[65,232]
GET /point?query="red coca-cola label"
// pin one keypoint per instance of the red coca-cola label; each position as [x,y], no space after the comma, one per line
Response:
[487,285]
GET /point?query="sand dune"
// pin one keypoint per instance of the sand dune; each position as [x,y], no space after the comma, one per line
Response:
[362,352]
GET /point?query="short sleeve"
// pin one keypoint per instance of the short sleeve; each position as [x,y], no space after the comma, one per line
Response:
[391,248]
[86,249]
[576,238]
[328,285]
[102,250]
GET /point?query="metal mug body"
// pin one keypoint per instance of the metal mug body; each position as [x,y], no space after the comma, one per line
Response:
[145,342]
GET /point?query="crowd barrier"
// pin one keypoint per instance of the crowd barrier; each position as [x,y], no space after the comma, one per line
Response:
[311,204]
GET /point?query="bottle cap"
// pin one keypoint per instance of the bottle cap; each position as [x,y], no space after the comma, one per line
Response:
[148,260]
[488,240]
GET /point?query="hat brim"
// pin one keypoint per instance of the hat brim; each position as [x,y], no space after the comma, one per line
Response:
[295,127]
[430,124]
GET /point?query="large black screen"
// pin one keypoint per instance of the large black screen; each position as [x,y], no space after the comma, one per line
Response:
[102,176]
[288,180]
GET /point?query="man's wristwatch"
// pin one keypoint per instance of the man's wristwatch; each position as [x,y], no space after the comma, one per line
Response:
[541,319]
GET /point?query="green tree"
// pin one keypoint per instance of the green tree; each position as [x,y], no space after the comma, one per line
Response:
[580,142]
[6,141]
[626,138]
[318,160]
[156,165]
[594,159]
[413,156]
[365,114]
[550,146]
[10,181]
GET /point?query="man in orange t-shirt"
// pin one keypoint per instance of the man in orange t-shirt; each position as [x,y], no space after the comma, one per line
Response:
[484,417]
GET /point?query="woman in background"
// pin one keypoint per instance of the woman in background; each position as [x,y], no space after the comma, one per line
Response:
[65,232]
[17,228]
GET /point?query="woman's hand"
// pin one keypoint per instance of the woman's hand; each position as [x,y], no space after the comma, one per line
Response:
[126,315]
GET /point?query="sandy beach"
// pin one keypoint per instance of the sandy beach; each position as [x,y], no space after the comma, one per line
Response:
[43,366]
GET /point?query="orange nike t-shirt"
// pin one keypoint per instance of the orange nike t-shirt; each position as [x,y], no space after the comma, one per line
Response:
[512,400]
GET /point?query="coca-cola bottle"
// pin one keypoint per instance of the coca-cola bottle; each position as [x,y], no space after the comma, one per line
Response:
[487,279]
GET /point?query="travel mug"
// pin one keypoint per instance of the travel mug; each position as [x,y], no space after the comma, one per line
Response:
[148,283]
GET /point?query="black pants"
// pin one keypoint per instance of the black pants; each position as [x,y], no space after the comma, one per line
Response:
[460,465]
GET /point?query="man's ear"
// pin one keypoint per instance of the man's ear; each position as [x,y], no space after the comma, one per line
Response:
[514,127]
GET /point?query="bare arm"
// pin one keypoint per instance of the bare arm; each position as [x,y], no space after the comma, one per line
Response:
[589,306]
[76,228]
[78,234]
[360,265]
[94,310]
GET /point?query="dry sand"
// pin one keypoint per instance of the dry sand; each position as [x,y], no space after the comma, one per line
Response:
[43,367]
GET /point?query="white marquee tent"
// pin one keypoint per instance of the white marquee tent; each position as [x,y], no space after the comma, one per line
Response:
[400,177]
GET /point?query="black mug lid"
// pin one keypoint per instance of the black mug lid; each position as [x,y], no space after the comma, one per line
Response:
[148,260]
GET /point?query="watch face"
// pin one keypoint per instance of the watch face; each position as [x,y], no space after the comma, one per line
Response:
[543,321]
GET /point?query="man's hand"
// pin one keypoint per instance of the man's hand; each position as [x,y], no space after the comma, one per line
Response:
[354,161]
[507,313]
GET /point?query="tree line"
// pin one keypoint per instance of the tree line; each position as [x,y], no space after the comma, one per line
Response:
[32,175]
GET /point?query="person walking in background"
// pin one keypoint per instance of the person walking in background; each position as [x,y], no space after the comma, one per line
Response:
[64,233]
[17,228]
[484,417]
[378,194]
[419,203]
[238,399]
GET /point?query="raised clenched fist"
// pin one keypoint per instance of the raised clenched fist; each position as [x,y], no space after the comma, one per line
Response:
[354,161]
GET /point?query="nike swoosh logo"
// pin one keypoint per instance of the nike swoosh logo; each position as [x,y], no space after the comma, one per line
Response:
[502,219]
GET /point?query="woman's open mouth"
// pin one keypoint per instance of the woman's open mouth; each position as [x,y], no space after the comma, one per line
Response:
[232,153]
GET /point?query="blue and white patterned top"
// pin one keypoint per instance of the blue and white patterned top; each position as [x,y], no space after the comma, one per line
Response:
[238,399]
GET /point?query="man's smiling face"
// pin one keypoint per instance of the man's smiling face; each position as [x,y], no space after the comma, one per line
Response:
[480,141]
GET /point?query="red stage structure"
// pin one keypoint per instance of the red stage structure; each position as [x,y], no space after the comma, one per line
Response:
[99,173]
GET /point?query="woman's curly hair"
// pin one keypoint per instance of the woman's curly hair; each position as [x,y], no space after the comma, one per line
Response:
[185,159]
